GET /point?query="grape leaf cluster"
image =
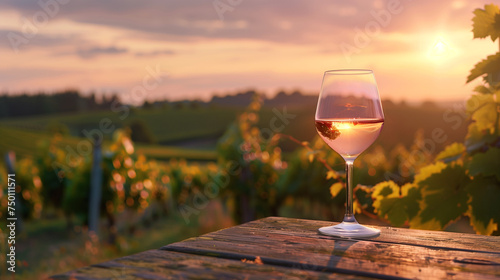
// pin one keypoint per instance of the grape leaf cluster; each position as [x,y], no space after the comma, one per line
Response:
[464,180]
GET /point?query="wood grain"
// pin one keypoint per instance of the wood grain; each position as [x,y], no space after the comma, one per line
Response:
[296,243]
[161,264]
[293,249]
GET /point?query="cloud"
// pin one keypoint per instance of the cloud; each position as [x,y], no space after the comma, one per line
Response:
[13,39]
[95,51]
[284,21]
[155,53]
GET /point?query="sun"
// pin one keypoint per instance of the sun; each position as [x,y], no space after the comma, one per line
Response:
[440,49]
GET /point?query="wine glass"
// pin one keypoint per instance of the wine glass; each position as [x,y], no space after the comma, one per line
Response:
[349,117]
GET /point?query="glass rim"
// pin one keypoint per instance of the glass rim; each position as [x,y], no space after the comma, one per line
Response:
[349,72]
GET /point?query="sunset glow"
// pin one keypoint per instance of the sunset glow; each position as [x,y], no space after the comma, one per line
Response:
[106,47]
[440,50]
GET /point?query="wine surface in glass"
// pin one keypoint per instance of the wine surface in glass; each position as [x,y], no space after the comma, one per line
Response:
[349,137]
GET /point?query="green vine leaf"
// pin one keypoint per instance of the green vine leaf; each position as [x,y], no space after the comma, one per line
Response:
[486,66]
[363,195]
[485,21]
[482,89]
[486,164]
[427,171]
[483,110]
[484,210]
[391,206]
[388,189]
[477,139]
[443,197]
[412,196]
[451,152]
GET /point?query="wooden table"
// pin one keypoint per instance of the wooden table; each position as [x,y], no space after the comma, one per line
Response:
[284,248]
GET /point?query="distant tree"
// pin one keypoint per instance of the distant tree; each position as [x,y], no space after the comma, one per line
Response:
[67,101]
[4,107]
[147,105]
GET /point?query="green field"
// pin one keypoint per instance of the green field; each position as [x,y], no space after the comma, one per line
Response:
[165,124]
[192,133]
[25,143]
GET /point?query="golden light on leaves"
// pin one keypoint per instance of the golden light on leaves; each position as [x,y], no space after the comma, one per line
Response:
[37,182]
[432,224]
[311,157]
[127,144]
[131,173]
[356,207]
[452,150]
[427,171]
[128,162]
[117,177]
[148,184]
[336,188]
[332,175]
[481,227]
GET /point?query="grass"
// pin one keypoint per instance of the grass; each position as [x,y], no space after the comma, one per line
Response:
[165,124]
[47,247]
[180,124]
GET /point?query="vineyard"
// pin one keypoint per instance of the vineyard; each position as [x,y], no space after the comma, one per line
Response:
[260,161]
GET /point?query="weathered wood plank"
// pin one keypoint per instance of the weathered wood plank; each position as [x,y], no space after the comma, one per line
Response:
[293,249]
[291,242]
[427,238]
[161,264]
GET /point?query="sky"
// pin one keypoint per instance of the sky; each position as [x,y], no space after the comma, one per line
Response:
[174,50]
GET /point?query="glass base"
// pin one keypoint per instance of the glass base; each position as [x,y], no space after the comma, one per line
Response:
[349,230]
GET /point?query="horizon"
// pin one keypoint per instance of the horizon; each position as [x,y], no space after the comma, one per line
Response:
[179,51]
[101,97]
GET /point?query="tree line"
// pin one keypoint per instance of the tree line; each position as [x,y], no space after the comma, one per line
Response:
[43,103]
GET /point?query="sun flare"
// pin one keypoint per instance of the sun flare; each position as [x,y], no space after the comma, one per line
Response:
[440,49]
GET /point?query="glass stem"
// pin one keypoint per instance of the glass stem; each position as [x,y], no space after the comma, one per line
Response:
[349,212]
